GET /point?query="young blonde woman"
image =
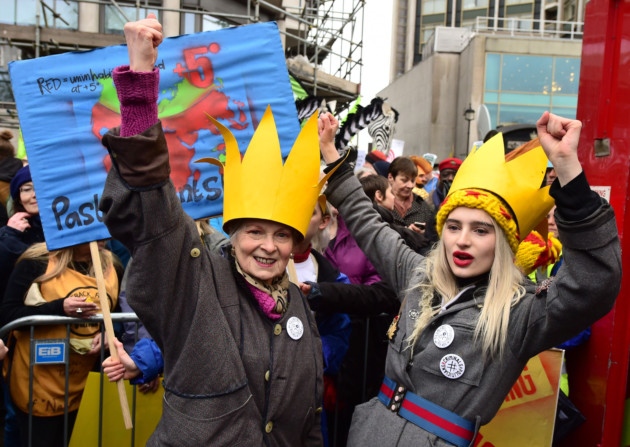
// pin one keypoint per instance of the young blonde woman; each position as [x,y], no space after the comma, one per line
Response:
[469,319]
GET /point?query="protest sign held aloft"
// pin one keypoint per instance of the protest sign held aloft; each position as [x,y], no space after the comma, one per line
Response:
[67,102]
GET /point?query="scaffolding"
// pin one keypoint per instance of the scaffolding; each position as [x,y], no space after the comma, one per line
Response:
[323,39]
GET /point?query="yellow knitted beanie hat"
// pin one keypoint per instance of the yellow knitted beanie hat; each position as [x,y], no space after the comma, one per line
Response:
[483,200]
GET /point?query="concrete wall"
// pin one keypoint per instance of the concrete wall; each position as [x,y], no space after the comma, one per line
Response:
[471,83]
[88,17]
[426,98]
[170,19]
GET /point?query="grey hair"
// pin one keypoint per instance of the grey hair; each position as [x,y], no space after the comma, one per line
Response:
[236,226]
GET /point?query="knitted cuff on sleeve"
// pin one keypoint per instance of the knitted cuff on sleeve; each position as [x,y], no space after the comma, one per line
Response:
[138,93]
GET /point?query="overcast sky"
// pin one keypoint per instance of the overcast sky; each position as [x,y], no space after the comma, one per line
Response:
[377,33]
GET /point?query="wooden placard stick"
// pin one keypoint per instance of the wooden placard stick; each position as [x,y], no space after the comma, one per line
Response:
[109,329]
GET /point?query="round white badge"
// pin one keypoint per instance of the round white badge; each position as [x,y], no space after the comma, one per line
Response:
[295,328]
[414,314]
[443,336]
[452,366]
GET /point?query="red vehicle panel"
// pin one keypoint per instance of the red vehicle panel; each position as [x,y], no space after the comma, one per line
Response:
[598,370]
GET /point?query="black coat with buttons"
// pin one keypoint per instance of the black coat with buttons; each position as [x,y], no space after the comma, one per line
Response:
[232,376]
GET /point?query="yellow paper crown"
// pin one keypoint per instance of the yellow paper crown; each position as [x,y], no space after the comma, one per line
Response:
[260,187]
[516,181]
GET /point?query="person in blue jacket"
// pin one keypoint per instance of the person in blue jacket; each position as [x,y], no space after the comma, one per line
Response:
[141,367]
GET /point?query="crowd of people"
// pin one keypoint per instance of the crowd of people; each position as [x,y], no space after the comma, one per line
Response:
[311,319]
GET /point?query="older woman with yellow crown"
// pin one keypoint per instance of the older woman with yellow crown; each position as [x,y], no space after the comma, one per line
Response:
[242,356]
[470,320]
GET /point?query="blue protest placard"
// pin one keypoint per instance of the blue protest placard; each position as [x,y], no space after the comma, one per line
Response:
[67,102]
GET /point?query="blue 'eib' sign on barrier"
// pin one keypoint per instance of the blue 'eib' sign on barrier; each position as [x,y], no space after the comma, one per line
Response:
[48,352]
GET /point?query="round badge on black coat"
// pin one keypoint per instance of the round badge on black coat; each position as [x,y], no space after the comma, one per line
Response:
[295,328]
[444,336]
[452,366]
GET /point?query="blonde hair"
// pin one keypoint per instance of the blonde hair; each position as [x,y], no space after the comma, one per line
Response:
[63,260]
[203,227]
[504,290]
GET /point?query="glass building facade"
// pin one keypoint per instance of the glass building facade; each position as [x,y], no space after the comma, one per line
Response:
[53,13]
[518,87]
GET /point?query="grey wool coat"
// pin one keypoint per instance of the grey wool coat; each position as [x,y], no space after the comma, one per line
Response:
[232,377]
[583,291]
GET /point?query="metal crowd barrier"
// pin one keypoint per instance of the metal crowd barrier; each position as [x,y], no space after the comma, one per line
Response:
[48,349]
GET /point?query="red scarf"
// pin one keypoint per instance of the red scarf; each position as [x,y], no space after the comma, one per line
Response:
[301,257]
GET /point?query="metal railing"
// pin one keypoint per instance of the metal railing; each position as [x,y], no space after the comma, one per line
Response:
[522,27]
[48,320]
